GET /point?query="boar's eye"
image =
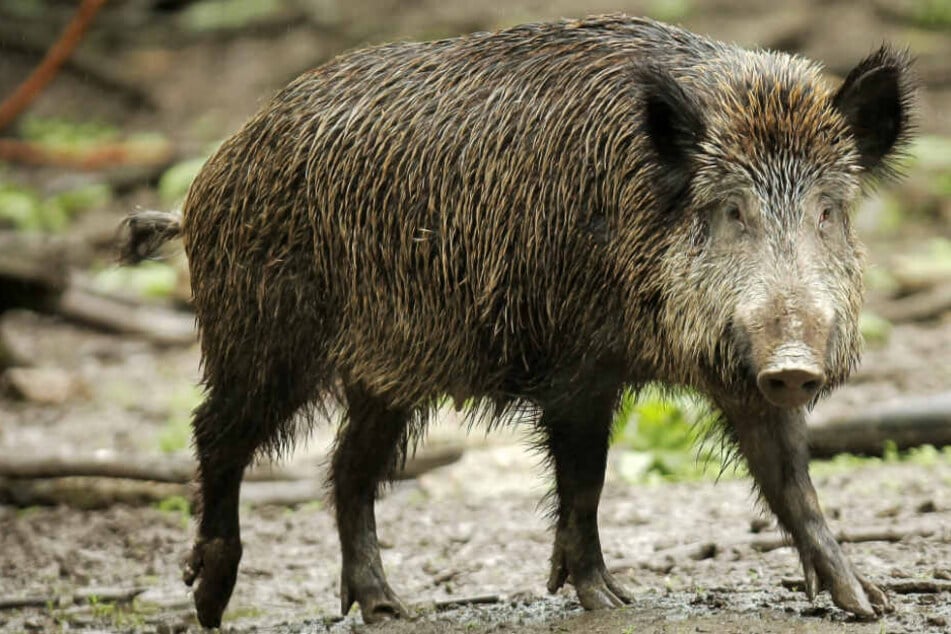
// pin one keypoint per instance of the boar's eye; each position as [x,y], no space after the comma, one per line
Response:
[734,213]
[825,214]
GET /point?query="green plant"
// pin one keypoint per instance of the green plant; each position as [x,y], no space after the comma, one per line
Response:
[675,431]
[875,330]
[148,279]
[25,209]
[66,133]
[174,183]
[176,433]
[176,505]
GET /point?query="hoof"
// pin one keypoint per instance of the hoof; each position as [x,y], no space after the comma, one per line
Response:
[214,565]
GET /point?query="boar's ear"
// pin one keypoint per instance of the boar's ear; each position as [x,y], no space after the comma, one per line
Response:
[673,124]
[876,100]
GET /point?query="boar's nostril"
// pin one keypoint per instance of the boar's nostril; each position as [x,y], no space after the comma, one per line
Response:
[790,387]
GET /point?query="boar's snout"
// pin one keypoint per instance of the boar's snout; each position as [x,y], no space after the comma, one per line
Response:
[790,385]
[789,339]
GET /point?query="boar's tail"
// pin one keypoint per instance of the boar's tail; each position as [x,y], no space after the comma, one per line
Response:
[142,233]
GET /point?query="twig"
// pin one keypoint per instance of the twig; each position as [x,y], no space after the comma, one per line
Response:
[483,599]
[31,87]
[767,543]
[111,595]
[90,67]
[668,557]
[918,586]
[665,560]
[903,586]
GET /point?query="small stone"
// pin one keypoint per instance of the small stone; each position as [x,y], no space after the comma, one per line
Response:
[936,619]
[51,386]
[928,506]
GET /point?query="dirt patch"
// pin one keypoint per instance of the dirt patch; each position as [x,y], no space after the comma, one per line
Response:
[490,544]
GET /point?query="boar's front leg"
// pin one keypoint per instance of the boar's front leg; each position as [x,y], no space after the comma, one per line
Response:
[577,440]
[774,443]
[367,450]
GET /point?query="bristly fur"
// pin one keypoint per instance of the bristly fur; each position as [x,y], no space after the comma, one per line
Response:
[410,231]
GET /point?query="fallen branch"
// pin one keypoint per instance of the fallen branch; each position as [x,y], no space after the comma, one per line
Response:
[100,595]
[58,53]
[34,274]
[927,304]
[158,324]
[32,260]
[919,272]
[907,422]
[182,471]
[86,493]
[902,586]
[168,470]
[41,482]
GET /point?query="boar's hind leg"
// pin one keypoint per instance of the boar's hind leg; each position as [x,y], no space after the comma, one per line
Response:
[229,426]
[775,446]
[577,439]
[368,446]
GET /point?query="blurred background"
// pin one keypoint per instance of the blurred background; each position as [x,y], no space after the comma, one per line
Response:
[107,107]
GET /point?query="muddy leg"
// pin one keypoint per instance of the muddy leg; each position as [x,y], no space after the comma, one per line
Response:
[228,430]
[578,442]
[217,550]
[776,450]
[366,452]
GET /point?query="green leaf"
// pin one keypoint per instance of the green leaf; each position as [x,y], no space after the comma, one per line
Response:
[149,279]
[174,183]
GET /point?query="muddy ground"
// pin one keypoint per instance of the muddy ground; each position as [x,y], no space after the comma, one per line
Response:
[475,528]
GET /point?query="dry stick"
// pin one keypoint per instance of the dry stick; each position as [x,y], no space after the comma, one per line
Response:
[903,586]
[767,543]
[31,87]
[762,543]
[111,595]
[482,599]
